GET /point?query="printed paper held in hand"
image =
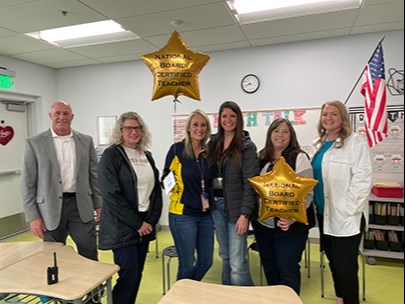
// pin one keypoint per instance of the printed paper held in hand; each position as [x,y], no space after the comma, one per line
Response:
[169,182]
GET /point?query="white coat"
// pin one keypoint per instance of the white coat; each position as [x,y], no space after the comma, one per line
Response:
[347,180]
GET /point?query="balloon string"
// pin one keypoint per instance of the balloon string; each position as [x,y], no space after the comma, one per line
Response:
[175,101]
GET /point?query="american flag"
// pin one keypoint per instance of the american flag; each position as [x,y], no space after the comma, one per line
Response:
[374,91]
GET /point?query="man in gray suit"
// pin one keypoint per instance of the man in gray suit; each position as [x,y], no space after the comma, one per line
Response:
[59,183]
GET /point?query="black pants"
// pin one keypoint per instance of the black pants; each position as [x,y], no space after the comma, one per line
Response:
[342,253]
[280,255]
[131,260]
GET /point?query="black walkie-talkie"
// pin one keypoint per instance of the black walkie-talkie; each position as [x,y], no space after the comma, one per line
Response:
[53,272]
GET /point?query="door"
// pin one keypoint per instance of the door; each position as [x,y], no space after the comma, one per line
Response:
[13,118]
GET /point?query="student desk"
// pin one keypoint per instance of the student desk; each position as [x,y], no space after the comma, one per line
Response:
[188,291]
[11,253]
[24,272]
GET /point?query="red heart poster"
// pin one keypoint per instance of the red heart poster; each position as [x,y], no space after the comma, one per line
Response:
[6,134]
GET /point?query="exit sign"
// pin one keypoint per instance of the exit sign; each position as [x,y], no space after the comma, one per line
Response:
[6,82]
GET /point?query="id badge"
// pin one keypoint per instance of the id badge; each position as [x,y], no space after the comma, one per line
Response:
[205,202]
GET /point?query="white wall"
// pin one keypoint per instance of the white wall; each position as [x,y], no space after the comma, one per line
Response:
[293,75]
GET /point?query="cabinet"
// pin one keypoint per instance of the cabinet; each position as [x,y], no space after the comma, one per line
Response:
[385,237]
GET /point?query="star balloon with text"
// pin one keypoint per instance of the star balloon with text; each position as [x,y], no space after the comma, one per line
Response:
[175,69]
[282,193]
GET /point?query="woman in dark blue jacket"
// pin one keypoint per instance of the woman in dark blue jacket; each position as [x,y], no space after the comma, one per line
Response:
[190,219]
[132,203]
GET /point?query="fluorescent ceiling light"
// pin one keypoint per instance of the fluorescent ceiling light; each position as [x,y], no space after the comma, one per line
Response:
[249,11]
[85,34]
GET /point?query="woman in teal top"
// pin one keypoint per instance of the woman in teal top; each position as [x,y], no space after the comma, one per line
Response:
[342,165]
[317,166]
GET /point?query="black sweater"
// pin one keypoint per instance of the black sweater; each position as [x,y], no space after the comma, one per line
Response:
[120,218]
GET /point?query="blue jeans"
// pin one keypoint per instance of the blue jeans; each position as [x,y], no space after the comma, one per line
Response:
[280,255]
[232,248]
[193,237]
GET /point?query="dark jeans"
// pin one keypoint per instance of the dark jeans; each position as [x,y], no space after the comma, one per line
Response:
[280,255]
[342,253]
[194,240]
[131,261]
[83,234]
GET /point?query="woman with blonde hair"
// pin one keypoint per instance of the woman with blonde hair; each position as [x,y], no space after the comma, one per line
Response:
[190,219]
[343,166]
[132,202]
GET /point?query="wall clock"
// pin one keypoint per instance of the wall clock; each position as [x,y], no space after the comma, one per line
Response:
[250,83]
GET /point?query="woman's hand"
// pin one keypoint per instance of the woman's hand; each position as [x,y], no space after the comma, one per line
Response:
[241,225]
[284,223]
[145,229]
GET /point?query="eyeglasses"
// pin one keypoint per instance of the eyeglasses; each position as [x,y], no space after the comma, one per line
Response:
[130,129]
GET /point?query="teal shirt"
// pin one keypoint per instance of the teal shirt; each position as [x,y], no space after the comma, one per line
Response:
[317,167]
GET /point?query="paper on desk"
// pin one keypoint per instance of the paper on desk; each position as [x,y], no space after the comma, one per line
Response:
[169,182]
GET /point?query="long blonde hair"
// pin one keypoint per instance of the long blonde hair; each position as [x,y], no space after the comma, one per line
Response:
[346,128]
[188,150]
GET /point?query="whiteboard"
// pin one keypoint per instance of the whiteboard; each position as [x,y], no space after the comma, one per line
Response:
[304,121]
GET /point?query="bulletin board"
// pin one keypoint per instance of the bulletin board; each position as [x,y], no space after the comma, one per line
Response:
[388,155]
[304,120]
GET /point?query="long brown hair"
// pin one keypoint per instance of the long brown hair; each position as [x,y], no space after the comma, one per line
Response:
[234,150]
[293,148]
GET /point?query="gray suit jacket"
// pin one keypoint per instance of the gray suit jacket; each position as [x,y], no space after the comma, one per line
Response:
[41,182]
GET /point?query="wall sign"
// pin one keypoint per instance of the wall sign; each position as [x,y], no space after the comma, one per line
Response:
[6,82]
[6,133]
[105,126]
[388,155]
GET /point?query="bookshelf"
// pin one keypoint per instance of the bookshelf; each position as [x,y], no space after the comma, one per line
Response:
[385,237]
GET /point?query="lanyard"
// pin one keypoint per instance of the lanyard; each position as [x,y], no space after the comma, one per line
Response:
[201,169]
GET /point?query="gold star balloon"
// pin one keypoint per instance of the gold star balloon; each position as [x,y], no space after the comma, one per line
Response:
[175,69]
[282,193]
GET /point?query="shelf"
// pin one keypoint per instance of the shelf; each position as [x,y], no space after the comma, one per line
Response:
[374,253]
[375,198]
[383,254]
[386,227]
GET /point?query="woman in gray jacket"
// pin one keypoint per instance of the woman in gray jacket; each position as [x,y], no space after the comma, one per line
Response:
[233,159]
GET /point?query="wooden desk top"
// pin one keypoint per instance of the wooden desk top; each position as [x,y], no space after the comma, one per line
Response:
[11,253]
[77,275]
[189,291]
